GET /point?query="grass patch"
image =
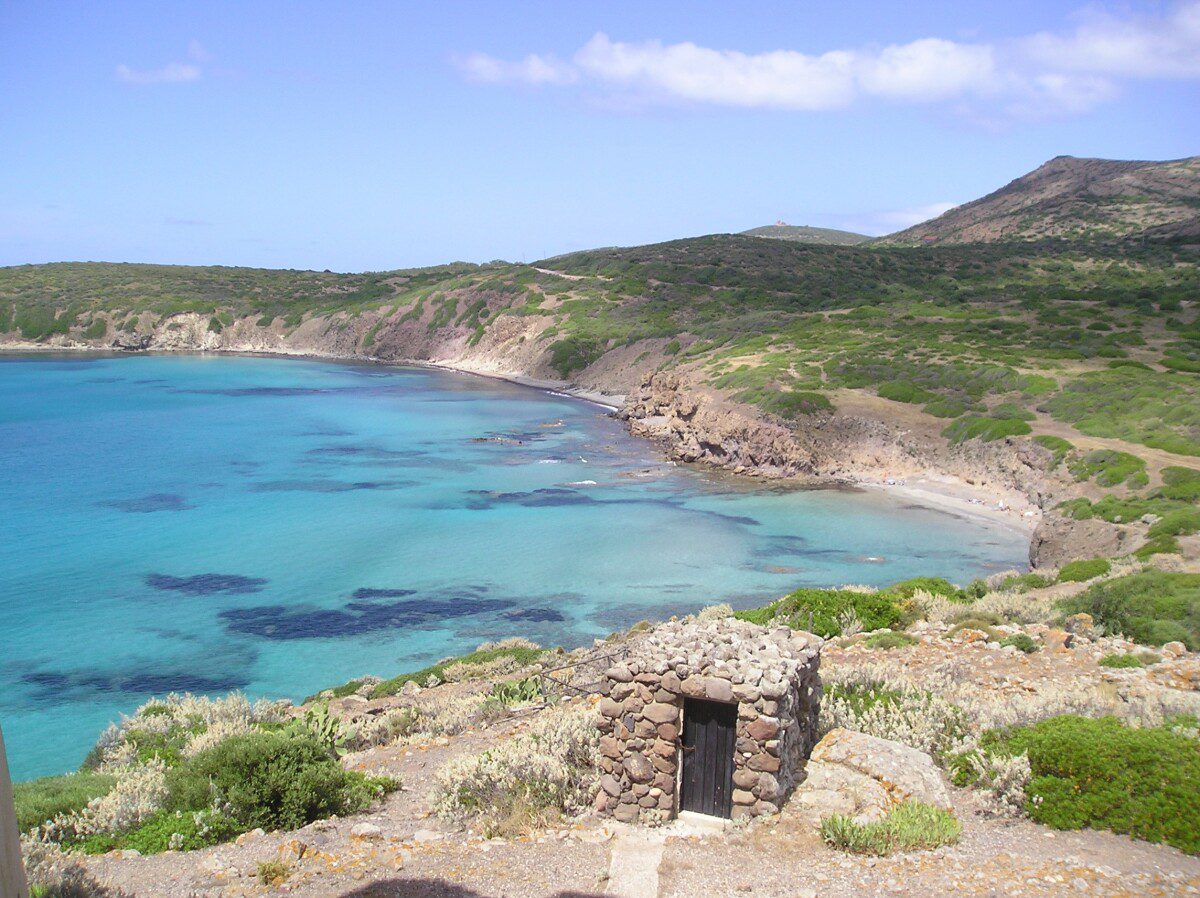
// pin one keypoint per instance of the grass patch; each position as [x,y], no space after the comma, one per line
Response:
[910,826]
[39,800]
[1086,569]
[1119,660]
[1101,774]
[890,640]
[522,654]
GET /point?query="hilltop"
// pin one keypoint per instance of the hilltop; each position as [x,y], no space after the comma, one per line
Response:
[1076,199]
[808,234]
[1051,381]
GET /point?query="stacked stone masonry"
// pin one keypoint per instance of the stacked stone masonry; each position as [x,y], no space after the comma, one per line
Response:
[772,675]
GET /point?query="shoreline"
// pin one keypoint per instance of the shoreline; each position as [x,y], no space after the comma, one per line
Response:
[926,491]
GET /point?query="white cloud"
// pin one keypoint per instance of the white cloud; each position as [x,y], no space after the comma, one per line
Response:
[171,73]
[1039,75]
[533,69]
[1146,47]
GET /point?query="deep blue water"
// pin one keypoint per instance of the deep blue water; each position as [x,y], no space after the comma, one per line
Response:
[278,526]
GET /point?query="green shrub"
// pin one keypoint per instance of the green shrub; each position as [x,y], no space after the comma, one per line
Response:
[938,586]
[945,408]
[1181,484]
[974,427]
[909,826]
[1179,522]
[792,404]
[1104,775]
[1121,660]
[1022,641]
[1109,467]
[96,330]
[1150,607]
[215,325]
[39,800]
[890,640]
[905,391]
[1089,569]
[168,830]
[825,607]
[270,780]
[574,353]
[1025,582]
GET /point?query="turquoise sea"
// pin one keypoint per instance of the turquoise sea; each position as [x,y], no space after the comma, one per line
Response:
[175,523]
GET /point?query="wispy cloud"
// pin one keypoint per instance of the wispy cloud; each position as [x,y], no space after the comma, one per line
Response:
[1043,74]
[178,72]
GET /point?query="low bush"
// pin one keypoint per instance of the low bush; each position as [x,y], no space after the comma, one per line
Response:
[1104,775]
[1109,468]
[976,427]
[896,711]
[1024,582]
[938,586]
[910,826]
[40,800]
[1022,641]
[1181,484]
[826,610]
[549,771]
[1150,607]
[1079,571]
[905,391]
[270,780]
[1121,660]
[889,640]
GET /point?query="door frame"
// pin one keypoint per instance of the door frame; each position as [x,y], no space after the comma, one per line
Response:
[723,809]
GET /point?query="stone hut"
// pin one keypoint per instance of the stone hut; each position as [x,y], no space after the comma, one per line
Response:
[710,716]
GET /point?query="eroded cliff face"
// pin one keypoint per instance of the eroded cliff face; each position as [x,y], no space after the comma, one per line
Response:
[697,425]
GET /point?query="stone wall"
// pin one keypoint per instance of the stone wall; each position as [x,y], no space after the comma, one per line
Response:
[770,674]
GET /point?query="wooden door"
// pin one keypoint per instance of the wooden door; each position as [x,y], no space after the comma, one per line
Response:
[709,735]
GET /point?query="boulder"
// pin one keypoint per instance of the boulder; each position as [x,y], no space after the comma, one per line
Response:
[1174,649]
[865,777]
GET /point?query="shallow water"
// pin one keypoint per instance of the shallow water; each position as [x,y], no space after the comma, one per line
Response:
[279,526]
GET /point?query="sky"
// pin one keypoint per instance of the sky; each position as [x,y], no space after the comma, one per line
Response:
[369,136]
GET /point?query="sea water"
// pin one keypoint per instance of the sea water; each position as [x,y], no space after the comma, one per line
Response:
[203,524]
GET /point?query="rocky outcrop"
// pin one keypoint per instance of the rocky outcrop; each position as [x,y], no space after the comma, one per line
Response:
[1059,539]
[694,424]
[864,777]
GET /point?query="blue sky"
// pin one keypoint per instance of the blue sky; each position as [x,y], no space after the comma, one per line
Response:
[365,135]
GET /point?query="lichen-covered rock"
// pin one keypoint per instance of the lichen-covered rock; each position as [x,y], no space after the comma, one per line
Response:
[865,777]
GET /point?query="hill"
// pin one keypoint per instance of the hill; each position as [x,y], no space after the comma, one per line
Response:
[807,234]
[1076,199]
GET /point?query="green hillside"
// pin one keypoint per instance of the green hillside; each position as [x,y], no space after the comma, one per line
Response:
[807,234]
